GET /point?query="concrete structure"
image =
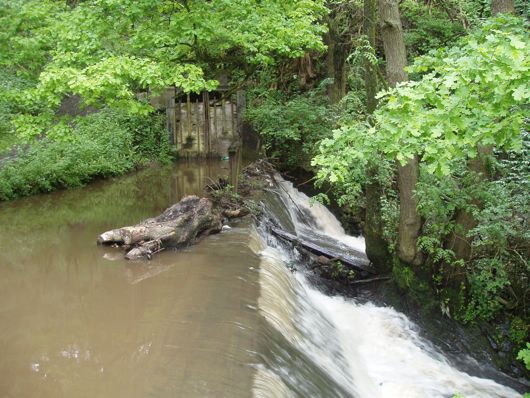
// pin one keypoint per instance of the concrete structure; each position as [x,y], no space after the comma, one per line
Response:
[202,125]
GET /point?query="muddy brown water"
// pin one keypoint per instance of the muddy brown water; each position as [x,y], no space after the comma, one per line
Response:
[233,316]
[76,320]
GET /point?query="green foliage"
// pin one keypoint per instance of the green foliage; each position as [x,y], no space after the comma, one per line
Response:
[429,26]
[25,35]
[469,95]
[498,272]
[487,279]
[100,145]
[404,276]
[518,331]
[337,269]
[363,51]
[225,195]
[9,85]
[291,127]
[501,237]
[338,160]
[389,202]
[524,355]
[107,50]
[149,135]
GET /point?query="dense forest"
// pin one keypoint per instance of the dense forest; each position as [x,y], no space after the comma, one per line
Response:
[410,117]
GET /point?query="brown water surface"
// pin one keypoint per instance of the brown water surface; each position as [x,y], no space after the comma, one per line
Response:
[74,324]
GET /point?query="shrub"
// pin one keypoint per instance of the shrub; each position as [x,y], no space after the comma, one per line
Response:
[524,355]
[102,144]
[291,127]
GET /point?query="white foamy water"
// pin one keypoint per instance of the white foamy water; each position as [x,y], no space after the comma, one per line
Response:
[387,357]
[310,217]
[333,347]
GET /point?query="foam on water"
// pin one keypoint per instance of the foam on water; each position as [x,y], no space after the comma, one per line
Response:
[310,216]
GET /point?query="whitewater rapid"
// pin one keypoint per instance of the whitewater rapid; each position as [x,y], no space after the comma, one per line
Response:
[326,346]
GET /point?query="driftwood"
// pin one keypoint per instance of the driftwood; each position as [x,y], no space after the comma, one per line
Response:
[371,280]
[354,260]
[178,226]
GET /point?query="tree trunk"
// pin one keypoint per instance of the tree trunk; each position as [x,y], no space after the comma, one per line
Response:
[178,226]
[336,65]
[464,220]
[396,60]
[502,7]
[409,219]
[393,41]
[376,247]
[370,73]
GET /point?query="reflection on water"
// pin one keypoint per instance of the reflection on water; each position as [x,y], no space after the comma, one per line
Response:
[74,324]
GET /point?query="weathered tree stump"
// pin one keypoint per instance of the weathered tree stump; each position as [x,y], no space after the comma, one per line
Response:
[178,226]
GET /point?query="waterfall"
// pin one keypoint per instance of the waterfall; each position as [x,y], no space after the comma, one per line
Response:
[321,346]
[314,218]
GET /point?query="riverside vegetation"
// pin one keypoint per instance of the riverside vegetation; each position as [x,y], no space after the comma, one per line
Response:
[411,116]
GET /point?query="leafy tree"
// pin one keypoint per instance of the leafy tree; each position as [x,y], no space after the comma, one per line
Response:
[285,123]
[106,50]
[407,169]
[25,35]
[464,97]
[469,94]
[25,42]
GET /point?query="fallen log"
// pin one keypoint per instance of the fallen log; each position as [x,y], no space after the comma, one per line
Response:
[180,225]
[354,259]
[371,280]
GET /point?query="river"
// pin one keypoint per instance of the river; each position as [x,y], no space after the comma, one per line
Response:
[225,318]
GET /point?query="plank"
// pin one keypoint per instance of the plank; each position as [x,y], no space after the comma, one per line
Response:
[354,260]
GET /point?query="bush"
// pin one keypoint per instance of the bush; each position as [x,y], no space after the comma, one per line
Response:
[103,144]
[524,355]
[9,84]
[427,27]
[291,127]
[498,271]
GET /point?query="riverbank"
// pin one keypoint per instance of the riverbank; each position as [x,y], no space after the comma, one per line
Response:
[100,145]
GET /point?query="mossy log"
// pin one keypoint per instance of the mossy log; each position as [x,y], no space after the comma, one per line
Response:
[178,226]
